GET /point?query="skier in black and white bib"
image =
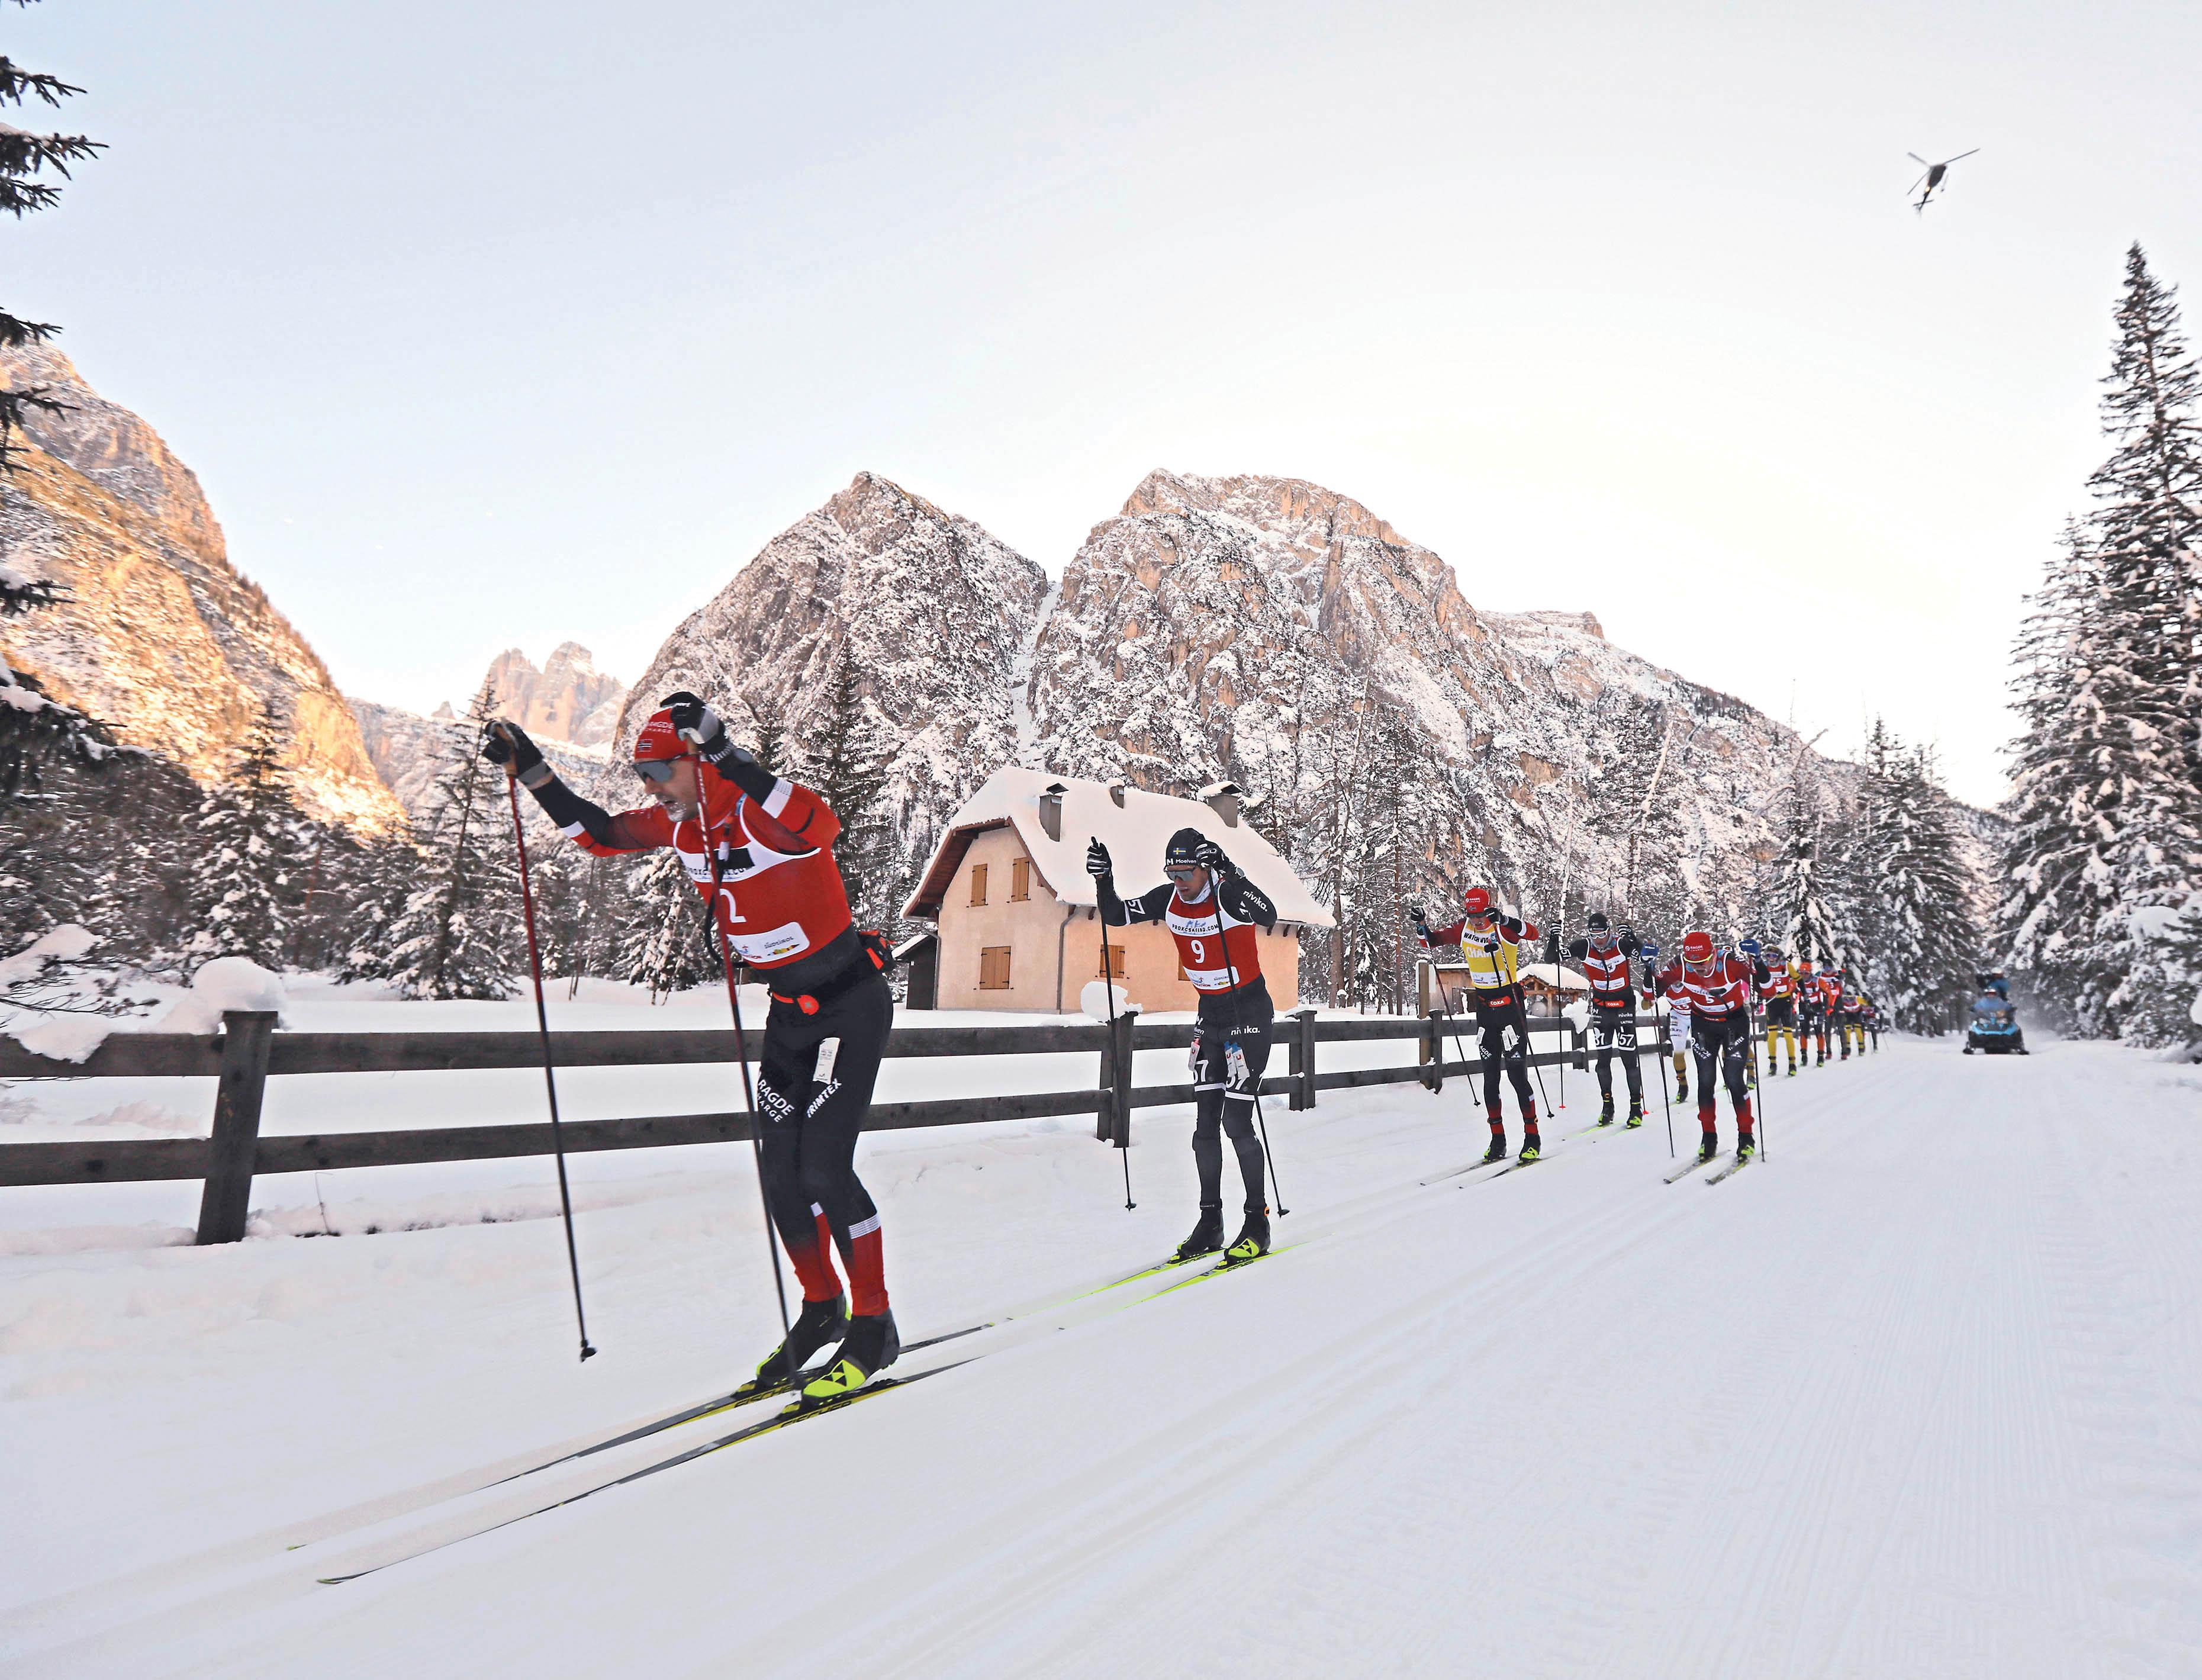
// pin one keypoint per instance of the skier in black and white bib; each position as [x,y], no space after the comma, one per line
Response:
[1604,955]
[1212,911]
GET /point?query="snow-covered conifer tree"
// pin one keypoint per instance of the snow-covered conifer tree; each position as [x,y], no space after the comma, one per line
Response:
[457,932]
[667,942]
[1919,891]
[244,840]
[2108,810]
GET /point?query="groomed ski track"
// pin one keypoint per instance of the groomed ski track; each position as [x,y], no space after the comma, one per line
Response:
[1917,1396]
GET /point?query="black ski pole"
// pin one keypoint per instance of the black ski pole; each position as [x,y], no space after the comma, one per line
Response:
[1757,1030]
[549,1078]
[1223,939]
[1120,1129]
[741,1038]
[1649,953]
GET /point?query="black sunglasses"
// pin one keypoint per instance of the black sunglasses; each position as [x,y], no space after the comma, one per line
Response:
[658,770]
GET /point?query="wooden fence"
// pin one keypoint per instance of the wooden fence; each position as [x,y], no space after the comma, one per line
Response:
[249,1052]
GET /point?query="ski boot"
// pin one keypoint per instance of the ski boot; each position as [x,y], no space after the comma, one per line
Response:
[871,1346]
[1605,1114]
[1709,1148]
[1532,1150]
[1681,1090]
[819,1324]
[1745,1147]
[1636,1110]
[1253,1241]
[1207,1236]
[1497,1150]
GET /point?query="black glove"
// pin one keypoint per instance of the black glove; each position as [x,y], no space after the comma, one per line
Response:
[507,745]
[1097,861]
[1414,915]
[698,723]
[1627,931]
[1210,856]
[1552,948]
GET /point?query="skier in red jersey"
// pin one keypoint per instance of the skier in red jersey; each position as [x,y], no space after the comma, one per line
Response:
[1717,986]
[1605,958]
[1490,942]
[1212,911]
[779,899]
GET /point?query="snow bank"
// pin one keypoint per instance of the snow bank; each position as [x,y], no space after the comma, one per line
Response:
[1096,1002]
[64,943]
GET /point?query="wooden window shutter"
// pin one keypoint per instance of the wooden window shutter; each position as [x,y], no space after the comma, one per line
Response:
[1112,967]
[978,883]
[994,969]
[1020,880]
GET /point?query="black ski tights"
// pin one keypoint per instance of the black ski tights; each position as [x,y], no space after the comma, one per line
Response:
[1612,1029]
[1503,1029]
[1719,1044]
[1223,1087]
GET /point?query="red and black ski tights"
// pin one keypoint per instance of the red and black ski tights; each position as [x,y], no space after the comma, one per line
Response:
[815,1086]
[1722,1042]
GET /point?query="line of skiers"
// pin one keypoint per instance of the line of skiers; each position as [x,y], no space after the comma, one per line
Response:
[759,850]
[1712,994]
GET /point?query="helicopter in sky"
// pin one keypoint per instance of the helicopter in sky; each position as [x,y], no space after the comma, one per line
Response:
[1933,177]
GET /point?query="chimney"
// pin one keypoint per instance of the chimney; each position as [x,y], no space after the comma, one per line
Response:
[1116,793]
[1223,799]
[1051,810]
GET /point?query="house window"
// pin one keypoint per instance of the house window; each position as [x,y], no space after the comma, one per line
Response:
[1020,880]
[979,886]
[994,968]
[1113,967]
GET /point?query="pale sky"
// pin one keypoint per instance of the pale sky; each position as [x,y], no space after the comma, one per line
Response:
[500,324]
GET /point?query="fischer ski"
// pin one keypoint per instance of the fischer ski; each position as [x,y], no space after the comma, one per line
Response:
[791,1414]
[1732,1166]
[1685,1169]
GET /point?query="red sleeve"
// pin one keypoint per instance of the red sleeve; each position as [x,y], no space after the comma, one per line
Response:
[1445,935]
[644,830]
[792,818]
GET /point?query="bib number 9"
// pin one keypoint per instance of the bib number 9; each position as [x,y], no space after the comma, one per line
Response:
[1199,951]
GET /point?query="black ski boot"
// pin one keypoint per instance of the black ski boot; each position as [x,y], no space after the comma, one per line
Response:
[1709,1148]
[1533,1148]
[1636,1110]
[1497,1150]
[1605,1114]
[871,1346]
[1745,1147]
[1253,1238]
[1682,1087]
[819,1324]
[1207,1236]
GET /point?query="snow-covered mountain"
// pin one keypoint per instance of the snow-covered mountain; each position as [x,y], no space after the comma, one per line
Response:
[158,634]
[570,699]
[934,611]
[1224,629]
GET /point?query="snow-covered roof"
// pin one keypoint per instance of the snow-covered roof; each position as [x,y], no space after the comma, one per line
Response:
[1135,833]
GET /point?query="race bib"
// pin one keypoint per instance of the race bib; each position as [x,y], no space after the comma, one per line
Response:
[787,939]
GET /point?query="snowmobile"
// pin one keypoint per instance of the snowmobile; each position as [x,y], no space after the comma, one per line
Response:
[1994,1030]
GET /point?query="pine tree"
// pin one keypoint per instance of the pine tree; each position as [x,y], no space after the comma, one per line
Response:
[2107,803]
[1635,771]
[1924,947]
[458,927]
[243,834]
[667,942]
[845,764]
[26,162]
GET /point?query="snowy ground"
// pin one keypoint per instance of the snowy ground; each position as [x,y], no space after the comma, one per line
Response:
[1922,1395]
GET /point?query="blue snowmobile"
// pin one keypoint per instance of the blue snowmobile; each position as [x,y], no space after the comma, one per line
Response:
[1994,1031]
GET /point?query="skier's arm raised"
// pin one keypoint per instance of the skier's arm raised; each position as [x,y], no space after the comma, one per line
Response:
[584,821]
[1117,912]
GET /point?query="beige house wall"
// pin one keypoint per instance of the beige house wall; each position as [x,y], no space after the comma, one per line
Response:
[1035,933]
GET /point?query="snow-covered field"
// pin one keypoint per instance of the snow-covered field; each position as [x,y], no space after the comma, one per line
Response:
[1920,1396]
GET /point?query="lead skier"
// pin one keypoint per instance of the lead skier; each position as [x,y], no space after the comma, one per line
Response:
[1716,986]
[780,900]
[1604,957]
[1490,944]
[1212,911]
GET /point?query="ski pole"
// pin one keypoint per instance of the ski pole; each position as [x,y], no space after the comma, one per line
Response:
[1216,886]
[741,1038]
[1120,1136]
[1651,956]
[549,1078]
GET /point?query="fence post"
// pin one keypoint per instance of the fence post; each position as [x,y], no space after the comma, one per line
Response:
[1301,1062]
[227,1197]
[1120,1124]
[1432,1052]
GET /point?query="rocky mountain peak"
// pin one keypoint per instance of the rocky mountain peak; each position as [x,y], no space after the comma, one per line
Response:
[157,634]
[568,699]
